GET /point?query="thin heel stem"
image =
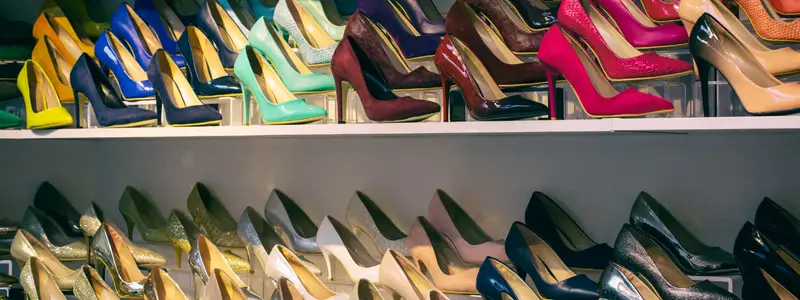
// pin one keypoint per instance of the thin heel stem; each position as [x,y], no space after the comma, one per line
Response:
[328,264]
[178,255]
[129,223]
[342,88]
[246,93]
[445,97]
[555,99]
[705,71]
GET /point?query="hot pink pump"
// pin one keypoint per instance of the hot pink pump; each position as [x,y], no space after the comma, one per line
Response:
[639,30]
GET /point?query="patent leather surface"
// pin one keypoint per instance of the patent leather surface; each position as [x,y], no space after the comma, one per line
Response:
[289,218]
[431,251]
[221,30]
[337,241]
[381,49]
[618,283]
[182,108]
[39,225]
[141,41]
[636,251]
[496,281]
[138,211]
[544,217]
[661,10]
[552,279]
[43,109]
[779,225]
[108,51]
[56,206]
[160,286]
[260,237]
[640,31]
[56,65]
[485,101]
[163,21]
[536,13]
[651,217]
[25,246]
[204,68]
[88,81]
[506,69]
[423,16]
[212,217]
[282,262]
[769,272]
[366,217]
[109,249]
[412,43]
[515,32]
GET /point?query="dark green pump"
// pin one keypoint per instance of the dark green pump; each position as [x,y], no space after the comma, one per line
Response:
[139,212]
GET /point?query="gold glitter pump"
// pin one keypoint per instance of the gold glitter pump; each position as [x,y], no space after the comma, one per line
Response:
[160,286]
[111,252]
[205,258]
[63,247]
[25,246]
[38,283]
[212,217]
[92,219]
[91,286]
[182,233]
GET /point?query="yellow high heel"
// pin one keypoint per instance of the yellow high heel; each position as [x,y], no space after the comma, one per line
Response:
[56,66]
[183,232]
[43,109]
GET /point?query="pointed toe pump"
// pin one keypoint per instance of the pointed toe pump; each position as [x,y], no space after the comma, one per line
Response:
[38,283]
[552,278]
[160,286]
[413,44]
[56,66]
[496,281]
[639,30]
[294,73]
[638,252]
[337,241]
[164,22]
[49,200]
[282,262]
[205,259]
[618,59]
[505,68]
[516,34]
[290,220]
[125,71]
[326,15]
[471,242]
[432,252]
[276,104]
[94,217]
[44,229]
[381,49]
[142,214]
[259,237]
[138,36]
[779,225]
[204,68]
[597,96]
[403,279]
[92,286]
[111,252]
[182,235]
[352,65]
[60,31]
[485,101]
[175,96]
[778,61]
[686,250]
[43,108]
[537,14]
[768,271]
[768,24]
[316,47]
[25,247]
[370,223]
[572,245]
[90,84]
[619,283]
[222,31]
[212,217]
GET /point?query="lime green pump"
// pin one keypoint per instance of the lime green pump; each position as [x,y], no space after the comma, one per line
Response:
[292,70]
[276,103]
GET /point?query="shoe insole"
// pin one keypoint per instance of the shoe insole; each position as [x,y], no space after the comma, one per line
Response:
[46,286]
[126,264]
[232,36]
[268,81]
[611,36]
[145,33]
[637,14]
[480,76]
[516,284]
[42,95]
[550,267]
[777,287]
[516,20]
[313,285]
[165,286]
[490,37]
[179,91]
[46,257]
[360,255]
[665,266]
[129,64]
[390,48]
[418,282]
[403,17]
[287,51]
[207,61]
[62,67]
[99,286]
[448,260]
[640,285]
[309,27]
[214,260]
[301,223]
[227,288]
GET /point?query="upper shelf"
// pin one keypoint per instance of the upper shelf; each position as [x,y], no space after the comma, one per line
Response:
[606,126]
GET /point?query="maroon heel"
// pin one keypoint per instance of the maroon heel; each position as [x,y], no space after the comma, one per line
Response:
[341,96]
[551,74]
[445,98]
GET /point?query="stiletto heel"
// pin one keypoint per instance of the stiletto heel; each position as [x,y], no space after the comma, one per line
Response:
[159,108]
[246,104]
[77,110]
[327,256]
[704,72]
[129,223]
[445,98]
[341,98]
[556,106]
[337,242]
[178,255]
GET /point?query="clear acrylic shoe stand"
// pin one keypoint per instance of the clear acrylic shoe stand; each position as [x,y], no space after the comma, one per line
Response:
[229,107]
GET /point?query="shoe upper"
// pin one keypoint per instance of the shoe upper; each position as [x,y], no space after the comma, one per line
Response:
[779,225]
[180,108]
[288,218]
[42,106]
[282,262]
[331,22]
[131,77]
[767,23]
[432,252]
[538,15]
[25,246]
[496,280]
[212,217]
[616,282]
[144,215]
[401,276]
[334,238]
[764,264]
[162,20]
[160,283]
[288,17]
[56,206]
[38,224]
[425,18]
[412,44]
[366,216]
[211,19]
[260,236]
[109,248]
[206,73]
[53,63]
[641,31]
[516,34]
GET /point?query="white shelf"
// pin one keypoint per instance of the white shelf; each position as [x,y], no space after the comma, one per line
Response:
[546,127]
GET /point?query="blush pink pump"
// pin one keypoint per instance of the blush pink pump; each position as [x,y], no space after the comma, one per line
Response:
[639,30]
[561,54]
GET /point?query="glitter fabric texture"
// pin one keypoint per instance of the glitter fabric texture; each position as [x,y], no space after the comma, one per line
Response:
[573,17]
[362,223]
[768,27]
[283,17]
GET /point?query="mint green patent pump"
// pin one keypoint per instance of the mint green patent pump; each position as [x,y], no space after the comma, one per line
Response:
[292,70]
[276,103]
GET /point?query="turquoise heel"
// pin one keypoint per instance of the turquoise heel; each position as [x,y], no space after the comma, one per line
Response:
[246,93]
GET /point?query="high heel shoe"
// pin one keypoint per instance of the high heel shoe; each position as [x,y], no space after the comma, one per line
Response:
[25,247]
[768,24]
[124,70]
[779,225]
[89,83]
[366,218]
[551,277]
[175,96]
[276,104]
[223,286]
[637,251]
[423,15]
[778,61]
[212,217]
[240,14]
[381,49]
[56,66]
[109,249]
[137,35]
[536,14]
[413,44]
[259,237]
[503,66]
[598,98]
[471,242]
[618,59]
[572,245]
[496,281]
[432,252]
[220,29]
[316,47]
[619,283]
[94,217]
[49,200]
[283,263]
[768,271]
[500,15]
[292,70]
[43,109]
[58,29]
[290,220]
[326,15]
[182,235]
[285,290]
[336,241]
[141,213]
[351,64]
[38,283]
[786,7]
[160,286]
[92,286]
[205,71]
[661,11]
[484,99]
[688,252]
[44,229]
[164,22]
[205,259]
[403,279]
[639,30]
